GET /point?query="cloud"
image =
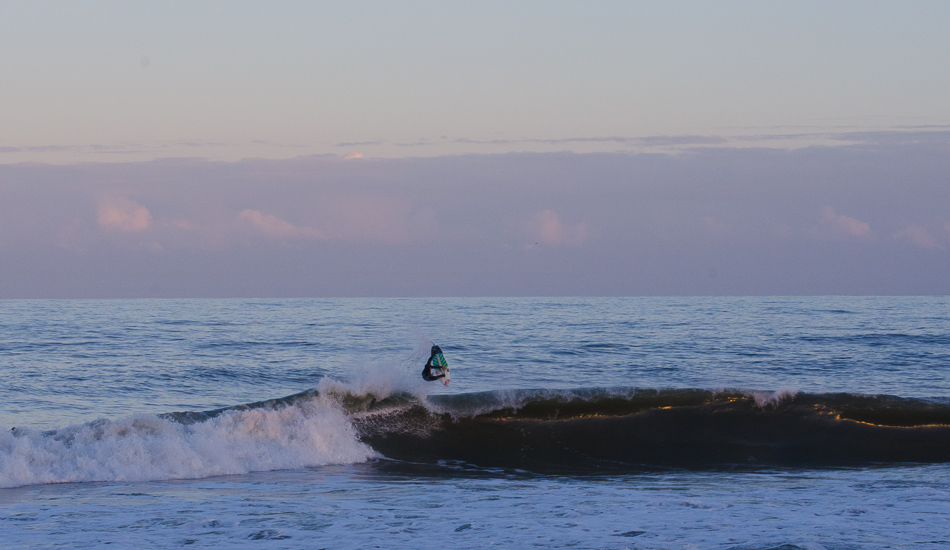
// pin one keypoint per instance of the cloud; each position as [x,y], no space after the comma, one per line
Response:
[717,228]
[623,140]
[184,225]
[549,229]
[71,237]
[841,225]
[368,218]
[352,155]
[682,140]
[656,223]
[276,227]
[120,214]
[353,218]
[359,143]
[918,236]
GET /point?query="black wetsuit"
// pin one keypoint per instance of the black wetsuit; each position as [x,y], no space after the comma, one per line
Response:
[427,370]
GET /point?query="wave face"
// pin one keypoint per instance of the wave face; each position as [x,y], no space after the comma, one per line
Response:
[591,430]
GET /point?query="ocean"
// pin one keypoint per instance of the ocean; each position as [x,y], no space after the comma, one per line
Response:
[688,422]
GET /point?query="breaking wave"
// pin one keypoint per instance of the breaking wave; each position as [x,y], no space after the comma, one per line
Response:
[591,430]
[565,431]
[311,432]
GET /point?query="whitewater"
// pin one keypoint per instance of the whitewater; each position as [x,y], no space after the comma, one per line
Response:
[583,422]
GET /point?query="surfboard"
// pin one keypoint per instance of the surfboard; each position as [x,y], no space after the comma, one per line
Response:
[442,370]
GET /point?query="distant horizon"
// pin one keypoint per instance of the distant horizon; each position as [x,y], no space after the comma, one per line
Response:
[252,298]
[665,144]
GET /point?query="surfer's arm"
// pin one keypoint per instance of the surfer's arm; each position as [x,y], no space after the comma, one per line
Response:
[427,374]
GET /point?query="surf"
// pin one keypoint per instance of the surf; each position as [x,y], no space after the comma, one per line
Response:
[573,431]
[305,432]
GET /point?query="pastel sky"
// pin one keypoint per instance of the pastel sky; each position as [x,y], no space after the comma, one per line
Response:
[483,148]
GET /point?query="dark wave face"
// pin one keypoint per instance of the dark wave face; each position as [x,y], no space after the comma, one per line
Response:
[594,430]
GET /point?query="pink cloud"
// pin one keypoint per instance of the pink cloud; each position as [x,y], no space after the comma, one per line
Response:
[550,230]
[355,218]
[841,225]
[119,214]
[276,227]
[918,236]
[352,155]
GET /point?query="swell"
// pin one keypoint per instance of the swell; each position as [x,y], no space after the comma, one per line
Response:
[589,430]
[568,431]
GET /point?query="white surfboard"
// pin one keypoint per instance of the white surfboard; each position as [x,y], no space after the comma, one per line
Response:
[445,371]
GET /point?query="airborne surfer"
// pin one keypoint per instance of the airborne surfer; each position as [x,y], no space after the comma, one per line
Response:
[436,361]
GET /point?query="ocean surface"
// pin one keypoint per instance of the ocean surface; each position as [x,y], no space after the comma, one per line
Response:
[725,423]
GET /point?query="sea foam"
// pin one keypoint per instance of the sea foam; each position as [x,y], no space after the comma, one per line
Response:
[148,447]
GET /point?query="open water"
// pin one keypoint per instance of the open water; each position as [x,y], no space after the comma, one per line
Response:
[724,423]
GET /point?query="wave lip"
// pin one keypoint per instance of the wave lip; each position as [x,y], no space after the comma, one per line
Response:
[591,430]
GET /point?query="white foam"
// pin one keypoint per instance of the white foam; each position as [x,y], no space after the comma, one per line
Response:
[380,380]
[764,398]
[147,447]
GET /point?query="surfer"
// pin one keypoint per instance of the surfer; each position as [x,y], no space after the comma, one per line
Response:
[435,354]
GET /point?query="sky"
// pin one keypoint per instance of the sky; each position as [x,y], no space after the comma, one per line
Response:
[217,149]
